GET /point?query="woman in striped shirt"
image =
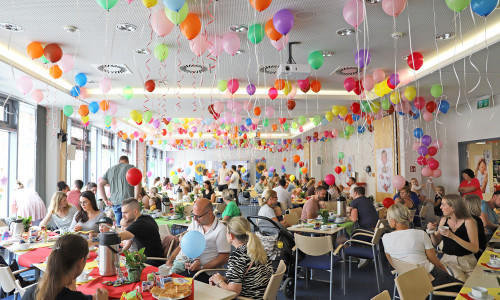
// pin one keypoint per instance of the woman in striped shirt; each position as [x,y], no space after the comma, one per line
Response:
[60,212]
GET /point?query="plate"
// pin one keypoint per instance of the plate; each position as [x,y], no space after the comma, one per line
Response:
[167,298]
[85,281]
[488,297]
[491,266]
[173,218]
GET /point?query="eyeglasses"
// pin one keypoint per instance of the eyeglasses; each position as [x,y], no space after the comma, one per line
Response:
[84,202]
[200,216]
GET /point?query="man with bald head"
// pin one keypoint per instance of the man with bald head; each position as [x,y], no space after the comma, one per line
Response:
[143,230]
[217,250]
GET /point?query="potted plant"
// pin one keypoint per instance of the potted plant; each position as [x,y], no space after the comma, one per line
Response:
[134,261]
[191,197]
[324,214]
[26,223]
[179,211]
[302,195]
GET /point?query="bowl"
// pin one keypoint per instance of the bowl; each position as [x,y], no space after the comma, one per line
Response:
[24,246]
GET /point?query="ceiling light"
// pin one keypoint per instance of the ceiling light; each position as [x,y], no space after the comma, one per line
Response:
[304,15]
[346,31]
[126,27]
[373,1]
[238,28]
[397,35]
[70,28]
[141,51]
[445,36]
[240,51]
[11,27]
[327,53]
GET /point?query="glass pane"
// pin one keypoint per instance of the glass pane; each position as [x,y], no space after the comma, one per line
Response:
[106,160]
[76,132]
[93,155]
[105,140]
[4,172]
[75,168]
[2,113]
[26,145]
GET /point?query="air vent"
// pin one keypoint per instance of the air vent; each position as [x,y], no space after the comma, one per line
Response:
[116,69]
[346,71]
[269,69]
[193,69]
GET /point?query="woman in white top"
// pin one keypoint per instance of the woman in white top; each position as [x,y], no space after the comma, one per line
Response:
[270,200]
[412,245]
[60,212]
[88,215]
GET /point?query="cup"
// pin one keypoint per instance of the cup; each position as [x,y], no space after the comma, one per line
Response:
[443,228]
[495,262]
[334,226]
[164,270]
[83,277]
[324,227]
[479,292]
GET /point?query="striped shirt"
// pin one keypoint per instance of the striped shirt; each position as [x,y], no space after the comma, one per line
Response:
[255,281]
[64,222]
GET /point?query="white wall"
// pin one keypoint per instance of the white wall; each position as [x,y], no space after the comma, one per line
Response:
[52,153]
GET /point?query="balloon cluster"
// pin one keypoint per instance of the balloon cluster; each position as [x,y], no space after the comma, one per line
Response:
[427,149]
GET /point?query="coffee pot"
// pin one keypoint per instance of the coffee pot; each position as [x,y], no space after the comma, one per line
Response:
[109,243]
[16,228]
[341,206]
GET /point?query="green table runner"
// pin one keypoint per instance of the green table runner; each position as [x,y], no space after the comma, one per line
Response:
[163,221]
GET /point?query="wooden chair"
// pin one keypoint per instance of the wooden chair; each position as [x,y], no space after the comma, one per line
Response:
[423,216]
[297,211]
[219,208]
[9,283]
[382,296]
[188,210]
[291,218]
[253,198]
[416,284]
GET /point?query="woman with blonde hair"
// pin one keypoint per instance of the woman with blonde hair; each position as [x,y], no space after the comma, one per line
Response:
[60,212]
[270,207]
[473,203]
[248,269]
[458,232]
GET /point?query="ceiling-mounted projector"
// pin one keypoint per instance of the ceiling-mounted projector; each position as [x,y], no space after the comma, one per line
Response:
[294,71]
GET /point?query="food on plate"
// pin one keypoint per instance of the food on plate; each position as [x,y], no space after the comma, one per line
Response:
[172,290]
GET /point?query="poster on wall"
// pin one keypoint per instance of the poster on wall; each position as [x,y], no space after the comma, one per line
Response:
[349,163]
[384,170]
[481,164]
[199,166]
[260,167]
[496,171]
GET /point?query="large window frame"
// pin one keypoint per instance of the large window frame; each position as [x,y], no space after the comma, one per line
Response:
[82,144]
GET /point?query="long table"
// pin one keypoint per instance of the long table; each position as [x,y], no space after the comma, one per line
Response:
[348,226]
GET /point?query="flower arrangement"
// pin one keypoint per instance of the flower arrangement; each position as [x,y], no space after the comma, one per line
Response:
[302,195]
[26,223]
[179,210]
[191,197]
[135,260]
[323,212]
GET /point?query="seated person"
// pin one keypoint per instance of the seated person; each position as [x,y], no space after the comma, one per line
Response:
[404,197]
[60,212]
[208,192]
[270,201]
[261,185]
[473,203]
[436,202]
[361,210]
[129,245]
[185,193]
[312,206]
[154,203]
[88,215]
[232,209]
[248,269]
[105,224]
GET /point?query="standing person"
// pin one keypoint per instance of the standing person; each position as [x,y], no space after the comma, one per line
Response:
[27,203]
[234,183]
[88,215]
[74,194]
[470,185]
[352,185]
[221,177]
[92,186]
[284,197]
[120,188]
[60,212]
[62,187]
[488,214]
[361,210]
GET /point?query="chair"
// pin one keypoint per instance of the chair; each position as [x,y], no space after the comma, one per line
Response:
[412,217]
[416,284]
[253,198]
[382,296]
[291,218]
[188,210]
[297,211]
[316,250]
[164,230]
[9,283]
[423,216]
[219,208]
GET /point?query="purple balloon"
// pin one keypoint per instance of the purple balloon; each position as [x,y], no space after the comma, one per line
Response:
[422,150]
[362,58]
[426,140]
[251,89]
[394,79]
[283,21]
[299,141]
[156,123]
[282,166]
[272,169]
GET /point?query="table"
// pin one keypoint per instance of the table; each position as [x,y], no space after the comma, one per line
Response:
[348,226]
[170,223]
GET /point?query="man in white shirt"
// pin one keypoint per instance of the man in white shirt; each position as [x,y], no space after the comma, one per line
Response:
[234,183]
[352,184]
[284,197]
[221,177]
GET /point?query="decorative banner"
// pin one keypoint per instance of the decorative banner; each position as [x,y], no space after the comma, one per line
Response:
[260,166]
[199,167]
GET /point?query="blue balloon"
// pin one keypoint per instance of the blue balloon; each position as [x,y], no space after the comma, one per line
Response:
[187,171]
[401,113]
[93,107]
[81,79]
[414,109]
[324,121]
[174,5]
[248,121]
[283,169]
[418,133]
[193,244]
[355,117]
[483,7]
[75,91]
[444,106]
[361,129]
[270,174]
[416,116]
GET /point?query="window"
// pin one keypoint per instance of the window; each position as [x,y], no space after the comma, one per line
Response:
[2,114]
[94,154]
[77,168]
[26,145]
[127,148]
[108,152]
[4,173]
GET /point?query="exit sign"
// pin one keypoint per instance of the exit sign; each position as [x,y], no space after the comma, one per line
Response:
[483,103]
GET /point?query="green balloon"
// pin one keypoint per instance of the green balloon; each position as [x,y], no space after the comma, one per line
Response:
[169,127]
[146,116]
[295,125]
[436,90]
[128,92]
[341,135]
[386,104]
[177,17]
[301,120]
[255,33]
[222,85]
[44,60]
[107,120]
[315,59]
[457,5]
[175,179]
[175,120]
[365,107]
[265,122]
[316,120]
[152,164]
[68,110]
[107,4]
[286,126]
[340,155]
[161,52]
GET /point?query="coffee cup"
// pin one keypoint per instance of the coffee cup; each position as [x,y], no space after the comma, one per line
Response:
[164,270]
[334,226]
[479,292]
[443,228]
[317,225]
[495,262]
[325,227]
[83,277]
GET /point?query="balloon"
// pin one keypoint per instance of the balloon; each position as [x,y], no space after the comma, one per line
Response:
[193,244]
[395,97]
[214,44]
[290,104]
[24,84]
[283,21]
[426,140]
[388,202]
[273,93]
[260,5]
[37,96]
[303,83]
[255,33]
[150,85]
[271,32]
[398,181]
[251,90]
[199,45]
[316,86]
[329,116]
[187,171]
[233,85]
[256,111]
[315,59]
[128,92]
[427,116]
[292,177]
[161,52]
[75,91]
[483,7]
[394,80]
[436,173]
[281,43]
[230,43]
[368,83]
[385,104]
[354,12]
[444,106]
[433,164]
[55,72]
[68,110]
[426,171]
[177,17]
[355,108]
[66,63]
[421,160]
[436,90]
[34,50]
[222,86]
[112,108]
[174,5]
[83,110]
[279,84]
[301,120]
[160,23]
[410,93]
[147,116]
[80,79]
[415,60]
[437,143]
[52,53]
[296,158]
[362,58]
[292,92]
[265,122]
[393,7]
[422,150]
[418,133]
[419,103]
[432,151]
[104,105]
[340,155]
[191,26]
[338,170]
[458,5]
[93,107]
[105,85]
[430,106]
[342,111]
[107,4]
[378,75]
[269,111]
[361,129]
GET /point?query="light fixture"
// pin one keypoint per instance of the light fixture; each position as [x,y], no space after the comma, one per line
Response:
[141,51]
[11,26]
[346,31]
[397,35]
[126,27]
[240,51]
[304,15]
[327,53]
[373,1]
[445,36]
[238,28]
[70,28]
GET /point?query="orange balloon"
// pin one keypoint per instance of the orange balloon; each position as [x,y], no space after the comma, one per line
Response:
[190,163]
[315,86]
[284,159]
[271,32]
[260,5]
[256,111]
[275,127]
[104,105]
[83,110]
[124,136]
[369,120]
[257,134]
[304,170]
[349,119]
[55,72]
[191,134]
[279,84]
[296,158]
[34,50]
[191,26]
[151,142]
[132,137]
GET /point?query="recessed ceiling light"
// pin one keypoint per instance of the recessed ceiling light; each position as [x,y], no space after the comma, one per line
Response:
[346,31]
[141,51]
[126,27]
[11,27]
[397,35]
[445,36]
[327,53]
[238,28]
[304,15]
[70,28]
[373,1]
[240,51]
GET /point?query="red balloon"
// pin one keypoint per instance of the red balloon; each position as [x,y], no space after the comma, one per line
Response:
[433,164]
[150,86]
[388,202]
[358,88]
[430,106]
[134,176]
[432,151]
[305,90]
[419,103]
[301,164]
[355,108]
[338,170]
[349,84]
[415,60]
[421,161]
[52,53]
[390,110]
[390,85]
[290,104]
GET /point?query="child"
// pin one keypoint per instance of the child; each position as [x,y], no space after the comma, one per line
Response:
[436,202]
[417,189]
[130,244]
[105,224]
[185,193]
[110,214]
[153,203]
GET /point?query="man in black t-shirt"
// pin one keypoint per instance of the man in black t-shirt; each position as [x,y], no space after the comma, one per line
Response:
[362,210]
[143,230]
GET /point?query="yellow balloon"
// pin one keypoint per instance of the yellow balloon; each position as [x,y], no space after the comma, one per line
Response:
[134,115]
[85,119]
[335,110]
[200,133]
[243,170]
[379,90]
[139,119]
[375,106]
[288,88]
[149,3]
[329,116]
[342,111]
[395,97]
[343,168]
[292,177]
[410,93]
[263,142]
[172,173]
[159,142]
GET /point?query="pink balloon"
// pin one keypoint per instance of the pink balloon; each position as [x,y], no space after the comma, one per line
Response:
[436,173]
[393,7]
[349,84]
[293,92]
[368,83]
[149,173]
[335,132]
[237,107]
[233,85]
[113,108]
[269,111]
[161,24]
[37,96]
[228,117]
[437,144]
[379,115]
[303,83]
[215,45]
[406,106]
[281,43]
[228,94]
[218,107]
[66,63]
[24,84]
[229,105]
[354,13]
[301,129]
[427,116]
[273,93]
[415,146]
[255,120]
[105,85]
[83,93]
[378,75]
[236,118]
[419,103]
[198,45]
[136,133]
[113,120]
[426,171]
[398,181]
[247,105]
[330,179]
[231,43]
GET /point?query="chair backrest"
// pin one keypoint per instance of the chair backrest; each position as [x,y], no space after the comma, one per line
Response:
[274,284]
[253,193]
[291,218]
[414,284]
[314,246]
[188,210]
[402,266]
[220,207]
[297,211]
[7,280]
[331,205]
[260,201]
[412,214]
[377,235]
[164,230]
[382,296]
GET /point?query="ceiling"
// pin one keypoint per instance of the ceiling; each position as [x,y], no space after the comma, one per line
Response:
[99,42]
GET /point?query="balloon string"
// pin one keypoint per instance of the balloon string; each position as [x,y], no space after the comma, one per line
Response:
[177,105]
[147,61]
[487,77]
[455,70]
[194,89]
[470,54]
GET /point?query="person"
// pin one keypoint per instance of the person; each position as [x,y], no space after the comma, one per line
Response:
[27,203]
[166,184]
[248,269]
[92,186]
[116,177]
[221,177]
[154,203]
[185,194]
[88,214]
[60,212]
[129,245]
[208,192]
[482,174]
[488,214]
[74,194]
[205,175]
[234,182]
[261,185]
[473,204]
[416,188]
[270,201]
[143,229]
[414,197]
[143,197]
[470,185]
[458,232]
[284,197]
[65,263]
[157,182]
[352,185]
[311,207]
[310,189]
[362,210]
[412,245]
[217,248]
[291,185]
[232,209]
[105,225]
[240,173]
[436,202]
[62,187]
[405,198]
